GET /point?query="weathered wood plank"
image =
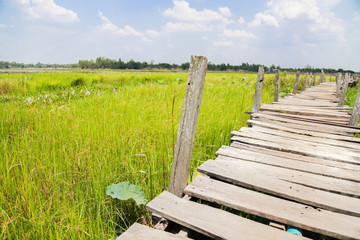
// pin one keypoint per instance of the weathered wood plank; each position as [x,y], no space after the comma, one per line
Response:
[234,174]
[187,126]
[279,136]
[276,209]
[315,168]
[305,125]
[213,222]
[329,184]
[141,232]
[324,135]
[296,157]
[311,151]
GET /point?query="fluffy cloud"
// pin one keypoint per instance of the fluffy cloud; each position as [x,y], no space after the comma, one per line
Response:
[222,43]
[2,25]
[183,12]
[262,18]
[47,10]
[316,14]
[186,27]
[107,25]
[238,34]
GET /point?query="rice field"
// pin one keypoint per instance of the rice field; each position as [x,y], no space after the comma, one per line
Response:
[66,136]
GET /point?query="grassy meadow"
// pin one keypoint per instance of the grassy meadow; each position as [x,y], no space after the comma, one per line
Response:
[66,136]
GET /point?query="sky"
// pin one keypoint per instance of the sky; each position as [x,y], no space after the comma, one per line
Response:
[289,33]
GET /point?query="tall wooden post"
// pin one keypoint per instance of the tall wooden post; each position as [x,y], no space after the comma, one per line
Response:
[314,80]
[343,90]
[277,86]
[354,119]
[296,82]
[310,79]
[338,84]
[187,126]
[306,80]
[258,90]
[323,77]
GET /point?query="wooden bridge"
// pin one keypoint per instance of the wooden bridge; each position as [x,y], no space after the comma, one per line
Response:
[297,164]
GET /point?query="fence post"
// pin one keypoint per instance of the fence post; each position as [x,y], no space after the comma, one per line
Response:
[344,90]
[338,84]
[277,86]
[258,90]
[310,78]
[354,119]
[323,77]
[296,82]
[306,80]
[187,126]
[314,80]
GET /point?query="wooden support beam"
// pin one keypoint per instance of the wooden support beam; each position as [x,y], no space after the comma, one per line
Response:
[338,84]
[258,90]
[323,77]
[187,126]
[344,90]
[277,86]
[296,82]
[310,79]
[306,81]
[314,80]
[354,120]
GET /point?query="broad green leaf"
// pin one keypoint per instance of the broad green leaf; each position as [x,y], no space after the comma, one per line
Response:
[126,191]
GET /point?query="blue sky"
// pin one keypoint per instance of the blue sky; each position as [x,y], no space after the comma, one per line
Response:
[289,33]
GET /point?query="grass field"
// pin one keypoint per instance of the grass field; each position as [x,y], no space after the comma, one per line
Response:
[64,137]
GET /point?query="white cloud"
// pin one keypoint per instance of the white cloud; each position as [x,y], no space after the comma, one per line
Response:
[241,20]
[3,25]
[262,18]
[316,14]
[183,12]
[356,17]
[47,10]
[186,27]
[107,25]
[153,33]
[238,34]
[223,43]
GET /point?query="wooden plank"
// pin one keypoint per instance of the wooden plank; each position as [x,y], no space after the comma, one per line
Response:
[326,115]
[141,232]
[316,168]
[311,126]
[309,109]
[213,222]
[324,135]
[296,157]
[187,126]
[258,89]
[329,184]
[302,150]
[332,145]
[234,174]
[276,209]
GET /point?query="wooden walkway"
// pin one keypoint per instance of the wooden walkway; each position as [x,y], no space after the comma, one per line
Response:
[298,164]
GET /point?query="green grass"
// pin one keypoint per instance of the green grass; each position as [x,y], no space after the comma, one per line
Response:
[64,137]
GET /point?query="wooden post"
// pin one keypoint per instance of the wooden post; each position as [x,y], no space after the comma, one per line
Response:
[258,90]
[344,90]
[296,82]
[338,84]
[330,78]
[306,80]
[354,119]
[187,126]
[310,79]
[323,77]
[314,80]
[277,86]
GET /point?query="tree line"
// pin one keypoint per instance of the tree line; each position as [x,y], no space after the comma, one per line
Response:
[107,63]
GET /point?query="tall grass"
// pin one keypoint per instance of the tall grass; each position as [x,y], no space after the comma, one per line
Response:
[64,137]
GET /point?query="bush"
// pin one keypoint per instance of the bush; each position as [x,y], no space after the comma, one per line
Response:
[78,82]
